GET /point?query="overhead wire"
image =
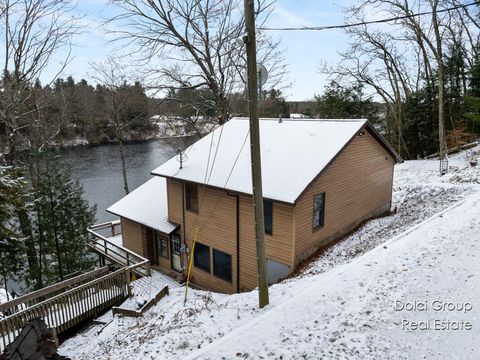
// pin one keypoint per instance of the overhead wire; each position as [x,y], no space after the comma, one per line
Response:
[206,179]
[344,26]
[228,178]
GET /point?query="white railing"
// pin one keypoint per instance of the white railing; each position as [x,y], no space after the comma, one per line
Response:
[116,253]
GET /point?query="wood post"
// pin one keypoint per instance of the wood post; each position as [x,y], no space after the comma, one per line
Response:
[251,46]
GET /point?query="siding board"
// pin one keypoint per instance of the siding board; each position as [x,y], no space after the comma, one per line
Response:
[174,199]
[358,184]
[132,237]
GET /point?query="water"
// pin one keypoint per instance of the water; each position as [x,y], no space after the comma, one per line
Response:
[99,169]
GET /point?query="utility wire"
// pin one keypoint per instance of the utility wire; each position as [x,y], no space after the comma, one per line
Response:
[344,26]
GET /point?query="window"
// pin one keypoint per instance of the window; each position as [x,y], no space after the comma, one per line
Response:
[201,257]
[318,210]
[191,193]
[222,265]
[268,216]
[162,245]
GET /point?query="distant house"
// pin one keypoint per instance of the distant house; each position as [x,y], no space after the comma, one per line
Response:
[177,126]
[321,178]
[298,116]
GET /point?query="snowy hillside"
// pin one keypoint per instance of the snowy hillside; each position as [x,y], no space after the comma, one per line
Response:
[342,305]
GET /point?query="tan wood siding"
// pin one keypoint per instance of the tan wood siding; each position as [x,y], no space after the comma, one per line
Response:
[357,185]
[216,220]
[279,245]
[132,236]
[174,200]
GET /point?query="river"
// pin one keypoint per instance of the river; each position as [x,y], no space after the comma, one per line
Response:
[99,169]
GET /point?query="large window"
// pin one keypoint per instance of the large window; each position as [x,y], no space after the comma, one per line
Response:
[191,194]
[162,245]
[268,216]
[318,210]
[222,265]
[201,257]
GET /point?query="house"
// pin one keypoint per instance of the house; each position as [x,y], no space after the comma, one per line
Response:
[321,178]
[298,116]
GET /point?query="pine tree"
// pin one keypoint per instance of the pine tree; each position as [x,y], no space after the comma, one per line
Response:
[62,219]
[11,244]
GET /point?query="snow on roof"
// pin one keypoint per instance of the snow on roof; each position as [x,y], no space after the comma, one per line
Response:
[146,205]
[293,154]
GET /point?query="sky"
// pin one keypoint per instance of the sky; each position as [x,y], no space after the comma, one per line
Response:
[304,50]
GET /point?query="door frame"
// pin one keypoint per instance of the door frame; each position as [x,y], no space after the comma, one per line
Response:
[174,253]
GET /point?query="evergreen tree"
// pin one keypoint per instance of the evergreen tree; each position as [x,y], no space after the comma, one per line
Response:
[340,102]
[472,100]
[61,222]
[11,244]
[273,104]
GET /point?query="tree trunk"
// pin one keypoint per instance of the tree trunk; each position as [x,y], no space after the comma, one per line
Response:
[32,259]
[55,232]
[223,109]
[442,138]
[124,168]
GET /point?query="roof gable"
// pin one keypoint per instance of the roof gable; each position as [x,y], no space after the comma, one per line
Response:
[293,153]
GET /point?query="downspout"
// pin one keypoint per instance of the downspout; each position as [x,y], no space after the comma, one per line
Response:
[238,243]
[183,225]
[237,231]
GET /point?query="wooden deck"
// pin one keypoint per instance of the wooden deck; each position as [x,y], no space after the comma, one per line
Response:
[112,251]
[69,308]
[66,304]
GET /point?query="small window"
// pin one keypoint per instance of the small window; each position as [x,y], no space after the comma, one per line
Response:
[318,210]
[191,194]
[222,265]
[162,244]
[268,216]
[201,257]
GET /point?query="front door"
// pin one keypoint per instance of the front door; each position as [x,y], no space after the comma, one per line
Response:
[175,251]
[150,255]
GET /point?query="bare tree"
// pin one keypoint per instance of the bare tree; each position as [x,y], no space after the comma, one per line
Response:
[380,57]
[374,60]
[33,32]
[196,44]
[120,103]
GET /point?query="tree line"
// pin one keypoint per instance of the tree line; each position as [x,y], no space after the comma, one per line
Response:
[423,69]
[70,112]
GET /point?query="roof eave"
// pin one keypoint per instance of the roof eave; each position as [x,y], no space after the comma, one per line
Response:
[398,159]
[233,191]
[377,137]
[144,224]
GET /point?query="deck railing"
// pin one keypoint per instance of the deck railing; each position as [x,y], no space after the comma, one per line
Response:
[116,253]
[25,301]
[69,308]
[112,228]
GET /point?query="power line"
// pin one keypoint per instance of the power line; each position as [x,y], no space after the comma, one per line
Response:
[344,26]
[226,181]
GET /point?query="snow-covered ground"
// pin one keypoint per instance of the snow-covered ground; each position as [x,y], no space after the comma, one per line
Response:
[342,305]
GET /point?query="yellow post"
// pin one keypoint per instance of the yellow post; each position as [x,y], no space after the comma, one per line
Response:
[190,265]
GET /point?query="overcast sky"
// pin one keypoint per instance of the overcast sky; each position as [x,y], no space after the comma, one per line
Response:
[304,49]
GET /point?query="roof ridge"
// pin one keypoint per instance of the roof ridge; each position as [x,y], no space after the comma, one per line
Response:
[303,119]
